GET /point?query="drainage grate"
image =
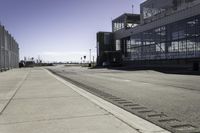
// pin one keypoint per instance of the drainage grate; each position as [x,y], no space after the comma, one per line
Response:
[138,108]
[183,127]
[145,111]
[158,115]
[114,98]
[131,105]
[123,102]
[119,100]
[169,121]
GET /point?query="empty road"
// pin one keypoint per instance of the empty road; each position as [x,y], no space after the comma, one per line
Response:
[177,96]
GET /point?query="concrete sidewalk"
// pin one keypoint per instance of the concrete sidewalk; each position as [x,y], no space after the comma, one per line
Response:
[32,101]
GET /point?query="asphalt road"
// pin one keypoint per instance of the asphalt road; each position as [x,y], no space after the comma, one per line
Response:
[178,96]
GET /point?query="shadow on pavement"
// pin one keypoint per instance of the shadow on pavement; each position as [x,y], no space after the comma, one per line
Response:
[166,70]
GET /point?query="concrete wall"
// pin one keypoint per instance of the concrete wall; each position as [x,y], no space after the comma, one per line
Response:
[9,50]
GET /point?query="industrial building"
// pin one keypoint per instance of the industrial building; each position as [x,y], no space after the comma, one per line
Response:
[165,33]
[9,50]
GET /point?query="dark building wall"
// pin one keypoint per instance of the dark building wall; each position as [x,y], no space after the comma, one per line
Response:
[104,43]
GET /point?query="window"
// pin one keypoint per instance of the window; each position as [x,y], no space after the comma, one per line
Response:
[198,26]
[136,40]
[191,45]
[162,47]
[158,47]
[148,37]
[118,45]
[182,46]
[175,46]
[198,44]
[128,45]
[191,27]
[177,30]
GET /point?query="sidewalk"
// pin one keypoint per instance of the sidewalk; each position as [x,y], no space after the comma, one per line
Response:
[33,101]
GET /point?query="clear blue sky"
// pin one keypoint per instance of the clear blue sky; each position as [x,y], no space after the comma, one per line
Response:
[60,30]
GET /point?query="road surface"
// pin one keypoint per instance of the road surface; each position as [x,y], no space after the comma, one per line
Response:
[177,96]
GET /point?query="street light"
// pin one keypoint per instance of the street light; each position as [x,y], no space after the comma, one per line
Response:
[90,55]
[90,58]
[81,61]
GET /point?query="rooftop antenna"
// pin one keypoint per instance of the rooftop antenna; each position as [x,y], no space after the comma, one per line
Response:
[132,8]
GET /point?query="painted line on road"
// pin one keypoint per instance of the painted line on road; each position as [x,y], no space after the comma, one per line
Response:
[132,120]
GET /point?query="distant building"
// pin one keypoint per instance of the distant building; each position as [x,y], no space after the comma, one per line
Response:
[9,50]
[166,32]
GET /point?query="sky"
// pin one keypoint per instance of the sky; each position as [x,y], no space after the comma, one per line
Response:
[60,30]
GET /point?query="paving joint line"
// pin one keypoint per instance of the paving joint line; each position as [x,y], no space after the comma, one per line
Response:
[38,98]
[16,90]
[56,119]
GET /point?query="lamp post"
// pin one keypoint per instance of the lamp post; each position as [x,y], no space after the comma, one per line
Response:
[81,61]
[93,61]
[90,58]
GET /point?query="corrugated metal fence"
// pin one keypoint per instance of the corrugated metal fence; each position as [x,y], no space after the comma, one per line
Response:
[9,50]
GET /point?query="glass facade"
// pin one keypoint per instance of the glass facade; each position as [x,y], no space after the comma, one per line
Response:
[153,7]
[152,10]
[173,41]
